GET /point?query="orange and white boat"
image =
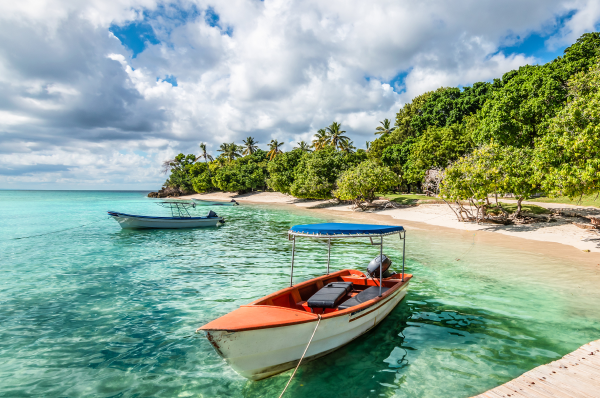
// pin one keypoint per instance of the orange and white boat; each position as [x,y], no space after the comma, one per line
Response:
[312,318]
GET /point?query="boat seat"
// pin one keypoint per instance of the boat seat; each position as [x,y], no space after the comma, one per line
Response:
[330,295]
[364,296]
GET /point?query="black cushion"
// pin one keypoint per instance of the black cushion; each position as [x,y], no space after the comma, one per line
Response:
[345,285]
[364,296]
[330,295]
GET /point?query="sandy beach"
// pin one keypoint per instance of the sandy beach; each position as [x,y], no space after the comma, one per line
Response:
[561,232]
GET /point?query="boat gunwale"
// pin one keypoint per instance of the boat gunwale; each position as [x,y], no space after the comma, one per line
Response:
[123,215]
[361,307]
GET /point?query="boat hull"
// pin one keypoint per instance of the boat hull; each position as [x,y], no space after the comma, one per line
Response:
[260,353]
[202,202]
[132,222]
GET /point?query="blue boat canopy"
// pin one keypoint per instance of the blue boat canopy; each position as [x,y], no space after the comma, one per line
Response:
[342,229]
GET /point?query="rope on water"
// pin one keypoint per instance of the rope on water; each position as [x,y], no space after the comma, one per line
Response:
[61,230]
[302,357]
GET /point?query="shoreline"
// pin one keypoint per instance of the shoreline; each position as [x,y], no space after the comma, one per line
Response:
[560,236]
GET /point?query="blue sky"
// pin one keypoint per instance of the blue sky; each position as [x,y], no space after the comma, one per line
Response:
[126,84]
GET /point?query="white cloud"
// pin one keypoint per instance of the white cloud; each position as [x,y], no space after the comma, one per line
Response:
[72,96]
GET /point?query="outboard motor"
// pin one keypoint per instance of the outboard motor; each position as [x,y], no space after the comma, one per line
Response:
[212,214]
[373,267]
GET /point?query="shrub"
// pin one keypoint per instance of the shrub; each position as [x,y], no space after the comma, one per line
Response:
[363,181]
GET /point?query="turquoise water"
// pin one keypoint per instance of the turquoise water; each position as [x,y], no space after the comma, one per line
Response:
[100,311]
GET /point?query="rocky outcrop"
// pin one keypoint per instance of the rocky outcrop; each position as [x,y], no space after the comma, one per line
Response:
[169,192]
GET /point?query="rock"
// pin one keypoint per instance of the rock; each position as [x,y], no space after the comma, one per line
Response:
[168,192]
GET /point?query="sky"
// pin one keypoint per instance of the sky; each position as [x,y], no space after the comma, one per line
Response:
[96,94]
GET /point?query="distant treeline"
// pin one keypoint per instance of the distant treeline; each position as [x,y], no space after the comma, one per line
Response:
[537,129]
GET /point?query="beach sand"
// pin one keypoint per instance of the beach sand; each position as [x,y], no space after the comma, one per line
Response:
[561,236]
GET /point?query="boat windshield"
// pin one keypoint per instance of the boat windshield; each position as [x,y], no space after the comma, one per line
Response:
[178,209]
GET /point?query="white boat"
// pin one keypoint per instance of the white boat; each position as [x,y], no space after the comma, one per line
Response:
[180,218]
[205,202]
[270,335]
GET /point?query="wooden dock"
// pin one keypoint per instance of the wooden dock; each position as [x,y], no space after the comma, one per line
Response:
[573,376]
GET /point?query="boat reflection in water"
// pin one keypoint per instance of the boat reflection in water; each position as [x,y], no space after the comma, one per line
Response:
[270,335]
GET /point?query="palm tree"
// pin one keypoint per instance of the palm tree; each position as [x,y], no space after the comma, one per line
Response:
[346,146]
[230,151]
[368,145]
[274,149]
[205,155]
[320,140]
[336,134]
[385,128]
[249,146]
[303,146]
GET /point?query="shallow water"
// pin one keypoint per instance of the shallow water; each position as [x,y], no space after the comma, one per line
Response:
[100,311]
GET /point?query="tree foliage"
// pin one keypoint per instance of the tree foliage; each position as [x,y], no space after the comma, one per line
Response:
[361,182]
[317,172]
[449,106]
[385,128]
[568,157]
[436,148]
[282,170]
[493,169]
[180,176]
[243,175]
[274,150]
[201,177]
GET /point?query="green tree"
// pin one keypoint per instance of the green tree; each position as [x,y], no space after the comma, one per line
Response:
[493,169]
[230,151]
[336,135]
[274,149]
[250,146]
[519,112]
[403,129]
[436,148]
[361,182]
[396,156]
[303,146]
[385,128]
[206,156]
[244,174]
[346,146]
[568,157]
[179,168]
[321,139]
[282,170]
[316,173]
[201,178]
[448,106]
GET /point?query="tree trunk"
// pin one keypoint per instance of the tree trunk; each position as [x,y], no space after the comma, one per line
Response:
[518,213]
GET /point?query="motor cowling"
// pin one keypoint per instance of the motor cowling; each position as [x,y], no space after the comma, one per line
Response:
[373,267]
[212,214]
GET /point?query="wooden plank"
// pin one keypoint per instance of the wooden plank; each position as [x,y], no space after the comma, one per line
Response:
[576,375]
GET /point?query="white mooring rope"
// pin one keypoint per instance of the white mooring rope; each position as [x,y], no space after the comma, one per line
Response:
[302,357]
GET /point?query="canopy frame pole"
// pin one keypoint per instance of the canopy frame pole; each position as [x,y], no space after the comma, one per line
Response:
[328,254]
[403,253]
[292,270]
[380,264]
